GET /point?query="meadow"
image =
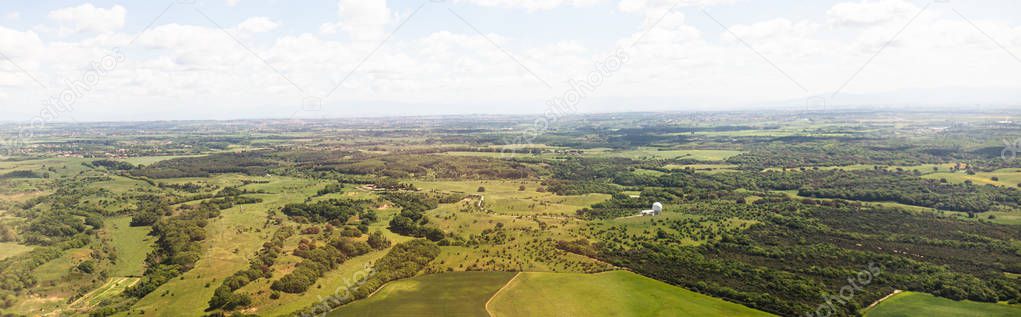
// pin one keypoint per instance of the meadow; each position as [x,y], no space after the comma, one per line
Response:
[132,244]
[273,218]
[615,293]
[446,294]
[909,304]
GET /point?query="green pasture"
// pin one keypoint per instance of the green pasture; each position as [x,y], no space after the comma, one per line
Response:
[909,304]
[615,293]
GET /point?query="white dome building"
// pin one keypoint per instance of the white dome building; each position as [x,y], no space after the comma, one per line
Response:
[657,208]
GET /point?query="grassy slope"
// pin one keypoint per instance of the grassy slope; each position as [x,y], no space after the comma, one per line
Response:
[921,304]
[9,249]
[132,244]
[447,294]
[232,239]
[503,196]
[616,293]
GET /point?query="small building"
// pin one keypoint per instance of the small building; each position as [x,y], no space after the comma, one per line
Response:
[657,208]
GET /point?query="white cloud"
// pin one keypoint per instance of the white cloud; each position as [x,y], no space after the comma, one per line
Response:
[653,6]
[870,12]
[13,15]
[88,18]
[680,60]
[16,43]
[257,25]
[231,3]
[362,20]
[533,5]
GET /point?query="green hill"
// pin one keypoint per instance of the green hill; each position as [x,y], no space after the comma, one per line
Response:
[921,304]
[447,294]
[617,293]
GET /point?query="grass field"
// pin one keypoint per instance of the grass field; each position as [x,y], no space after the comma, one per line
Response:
[132,244]
[699,155]
[149,160]
[504,197]
[707,168]
[232,239]
[61,267]
[908,304]
[114,286]
[1008,177]
[448,294]
[9,249]
[641,153]
[616,293]
[334,282]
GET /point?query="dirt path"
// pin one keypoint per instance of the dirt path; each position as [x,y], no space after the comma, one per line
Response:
[895,292]
[498,293]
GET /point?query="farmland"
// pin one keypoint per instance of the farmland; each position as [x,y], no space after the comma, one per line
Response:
[446,294]
[613,293]
[920,304]
[762,214]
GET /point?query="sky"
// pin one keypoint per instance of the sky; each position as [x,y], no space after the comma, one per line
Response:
[239,59]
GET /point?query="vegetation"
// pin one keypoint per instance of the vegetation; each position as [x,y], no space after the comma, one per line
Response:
[921,304]
[446,294]
[403,261]
[764,213]
[606,294]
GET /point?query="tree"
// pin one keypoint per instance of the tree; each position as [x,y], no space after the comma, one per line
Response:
[521,188]
[86,267]
[482,189]
[378,241]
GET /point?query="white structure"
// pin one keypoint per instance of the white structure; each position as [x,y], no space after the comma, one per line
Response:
[657,208]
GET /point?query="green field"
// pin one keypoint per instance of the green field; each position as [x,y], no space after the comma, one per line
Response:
[447,294]
[9,249]
[1008,177]
[231,241]
[920,304]
[651,153]
[113,287]
[132,244]
[616,293]
[641,153]
[504,197]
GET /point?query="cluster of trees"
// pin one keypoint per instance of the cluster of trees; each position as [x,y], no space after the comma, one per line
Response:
[412,221]
[844,152]
[189,187]
[330,189]
[113,165]
[591,169]
[16,271]
[890,186]
[392,184]
[802,249]
[332,210]
[149,212]
[443,166]
[403,261]
[260,267]
[568,187]
[879,185]
[250,163]
[20,174]
[317,261]
[177,247]
[378,241]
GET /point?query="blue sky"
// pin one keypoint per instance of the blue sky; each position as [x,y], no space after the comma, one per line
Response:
[227,59]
